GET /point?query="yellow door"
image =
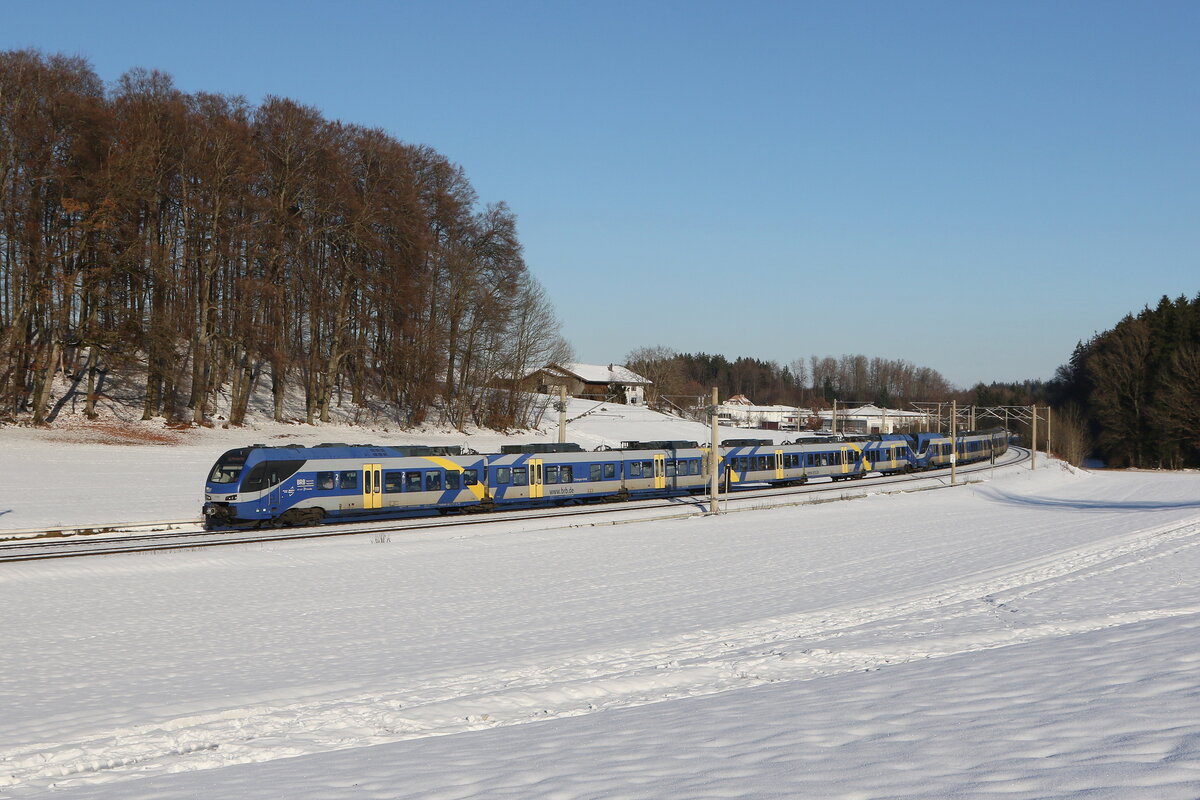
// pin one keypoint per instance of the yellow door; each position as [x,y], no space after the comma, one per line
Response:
[372,483]
[536,485]
[660,472]
[779,464]
[845,460]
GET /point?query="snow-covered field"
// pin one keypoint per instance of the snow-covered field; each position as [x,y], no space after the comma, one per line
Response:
[1035,635]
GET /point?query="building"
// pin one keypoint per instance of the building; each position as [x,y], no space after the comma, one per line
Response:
[590,380]
[873,419]
[739,412]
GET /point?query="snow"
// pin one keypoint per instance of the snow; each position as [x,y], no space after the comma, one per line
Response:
[601,373]
[1033,635]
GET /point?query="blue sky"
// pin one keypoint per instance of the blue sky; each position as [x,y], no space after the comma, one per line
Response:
[972,187]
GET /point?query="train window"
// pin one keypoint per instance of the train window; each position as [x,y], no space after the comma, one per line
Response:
[253,481]
[453,480]
[470,477]
[393,482]
[610,471]
[229,467]
[325,480]
[551,474]
[280,471]
[633,469]
[433,481]
[349,480]
[695,468]
[670,469]
[502,474]
[647,469]
[594,472]
[520,476]
[566,474]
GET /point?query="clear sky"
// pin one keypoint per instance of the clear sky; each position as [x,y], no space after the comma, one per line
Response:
[972,187]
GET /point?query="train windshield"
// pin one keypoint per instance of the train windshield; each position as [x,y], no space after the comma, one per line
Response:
[229,466]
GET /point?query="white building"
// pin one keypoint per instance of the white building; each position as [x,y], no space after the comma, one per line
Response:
[873,419]
[739,412]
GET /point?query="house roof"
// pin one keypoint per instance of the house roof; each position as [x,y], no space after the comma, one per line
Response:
[600,373]
[871,410]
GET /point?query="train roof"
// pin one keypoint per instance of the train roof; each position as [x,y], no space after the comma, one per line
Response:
[659,444]
[343,450]
[540,447]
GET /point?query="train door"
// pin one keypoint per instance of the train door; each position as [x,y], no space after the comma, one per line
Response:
[779,464]
[660,471]
[536,478]
[845,460]
[372,486]
[275,497]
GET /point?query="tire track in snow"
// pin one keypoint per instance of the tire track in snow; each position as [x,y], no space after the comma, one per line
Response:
[792,647]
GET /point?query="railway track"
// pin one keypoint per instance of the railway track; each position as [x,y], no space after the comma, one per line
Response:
[116,539]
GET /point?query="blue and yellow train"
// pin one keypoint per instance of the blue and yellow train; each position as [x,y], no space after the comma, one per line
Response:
[294,485]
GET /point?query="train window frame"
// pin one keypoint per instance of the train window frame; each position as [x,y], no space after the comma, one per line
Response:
[566,474]
[670,468]
[393,481]
[520,476]
[326,481]
[413,480]
[453,480]
[610,472]
[229,468]
[550,474]
[433,480]
[503,475]
[594,471]
[633,469]
[348,479]
[255,480]
[470,477]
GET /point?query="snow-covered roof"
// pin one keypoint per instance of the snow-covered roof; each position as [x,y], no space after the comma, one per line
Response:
[602,373]
[871,410]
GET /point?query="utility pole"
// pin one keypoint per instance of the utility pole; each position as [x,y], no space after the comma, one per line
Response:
[953,441]
[833,419]
[562,414]
[714,458]
[1049,416]
[1033,440]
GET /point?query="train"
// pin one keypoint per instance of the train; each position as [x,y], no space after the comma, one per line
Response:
[291,485]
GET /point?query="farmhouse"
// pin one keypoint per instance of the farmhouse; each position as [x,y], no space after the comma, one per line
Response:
[591,380]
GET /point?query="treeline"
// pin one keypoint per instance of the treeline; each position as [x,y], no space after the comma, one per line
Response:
[814,383]
[1136,387]
[210,247]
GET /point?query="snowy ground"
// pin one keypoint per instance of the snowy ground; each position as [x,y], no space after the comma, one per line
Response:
[1037,635]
